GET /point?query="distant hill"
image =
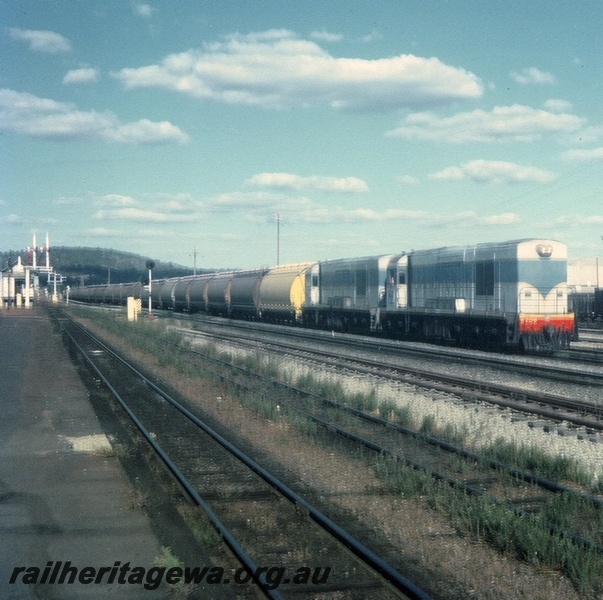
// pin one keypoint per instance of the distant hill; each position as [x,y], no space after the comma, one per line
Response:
[90,266]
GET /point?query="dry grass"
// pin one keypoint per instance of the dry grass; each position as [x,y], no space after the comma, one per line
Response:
[427,546]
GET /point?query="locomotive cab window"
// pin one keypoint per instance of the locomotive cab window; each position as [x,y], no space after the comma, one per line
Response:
[484,278]
[361,282]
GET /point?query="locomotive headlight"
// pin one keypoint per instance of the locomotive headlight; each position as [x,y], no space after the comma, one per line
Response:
[544,250]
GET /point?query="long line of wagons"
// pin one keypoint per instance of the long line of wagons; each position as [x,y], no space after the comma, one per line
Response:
[509,295]
[587,306]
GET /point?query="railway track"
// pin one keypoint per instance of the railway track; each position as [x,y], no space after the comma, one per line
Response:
[521,491]
[266,525]
[577,413]
[588,348]
[522,494]
[564,367]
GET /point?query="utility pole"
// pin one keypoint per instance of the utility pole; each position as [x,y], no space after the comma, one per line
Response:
[278,239]
[150,266]
[597,267]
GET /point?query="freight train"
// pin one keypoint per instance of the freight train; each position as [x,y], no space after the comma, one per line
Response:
[497,296]
[587,306]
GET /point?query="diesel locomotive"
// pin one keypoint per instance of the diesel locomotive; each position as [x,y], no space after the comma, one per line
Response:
[496,296]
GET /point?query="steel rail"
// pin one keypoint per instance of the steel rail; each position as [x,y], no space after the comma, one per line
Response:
[516,473]
[454,483]
[397,348]
[377,564]
[224,532]
[487,392]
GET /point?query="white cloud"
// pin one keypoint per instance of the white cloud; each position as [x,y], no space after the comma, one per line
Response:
[44,118]
[501,219]
[103,232]
[326,36]
[493,171]
[503,123]
[425,218]
[373,36]
[83,75]
[149,208]
[115,200]
[260,207]
[42,41]
[557,105]
[144,10]
[316,183]
[532,75]
[591,155]
[141,215]
[146,132]
[408,180]
[579,220]
[12,219]
[276,69]
[261,204]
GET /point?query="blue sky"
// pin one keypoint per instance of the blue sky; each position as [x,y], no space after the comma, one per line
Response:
[367,127]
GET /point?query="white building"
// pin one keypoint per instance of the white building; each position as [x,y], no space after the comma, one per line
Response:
[19,283]
[585,274]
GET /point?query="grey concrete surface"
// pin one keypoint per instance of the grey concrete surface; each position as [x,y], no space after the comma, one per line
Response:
[63,495]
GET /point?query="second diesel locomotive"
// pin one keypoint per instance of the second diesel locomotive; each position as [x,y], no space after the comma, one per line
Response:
[509,295]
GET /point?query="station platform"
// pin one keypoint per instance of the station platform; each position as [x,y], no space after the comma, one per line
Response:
[64,498]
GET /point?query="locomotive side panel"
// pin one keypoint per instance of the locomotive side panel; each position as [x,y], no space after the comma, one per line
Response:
[443,279]
[357,283]
[352,293]
[396,283]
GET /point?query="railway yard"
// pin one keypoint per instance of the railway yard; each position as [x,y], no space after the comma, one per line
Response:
[334,466]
